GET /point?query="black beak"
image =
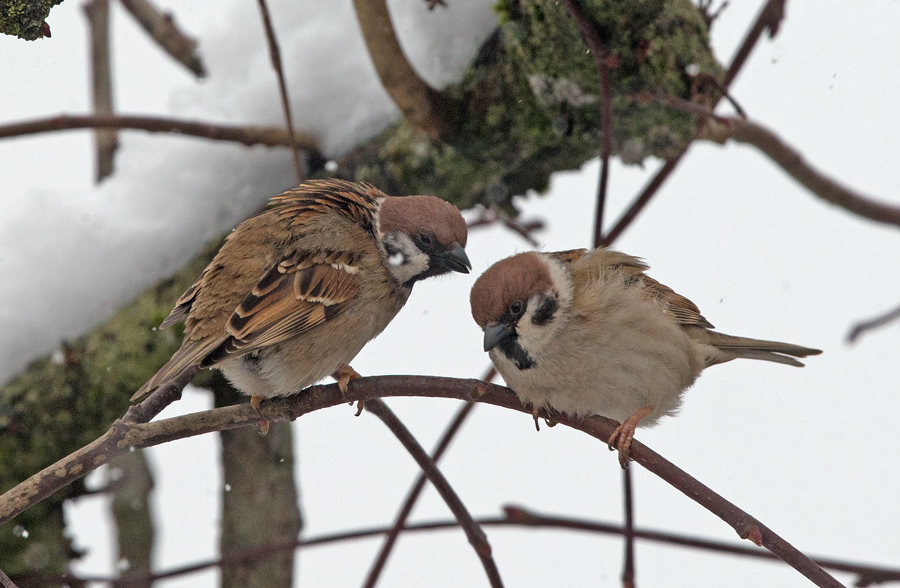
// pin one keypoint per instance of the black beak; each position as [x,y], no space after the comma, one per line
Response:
[496,334]
[454,260]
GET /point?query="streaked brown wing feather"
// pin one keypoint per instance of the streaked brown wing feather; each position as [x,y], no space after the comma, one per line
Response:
[296,295]
[183,304]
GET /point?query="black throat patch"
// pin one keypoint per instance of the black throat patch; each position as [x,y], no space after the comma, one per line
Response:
[512,350]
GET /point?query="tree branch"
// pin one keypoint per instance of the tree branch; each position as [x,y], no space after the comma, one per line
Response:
[768,18]
[475,535]
[792,162]
[412,497]
[123,435]
[268,136]
[5,581]
[275,57]
[162,28]
[426,109]
[105,141]
[879,321]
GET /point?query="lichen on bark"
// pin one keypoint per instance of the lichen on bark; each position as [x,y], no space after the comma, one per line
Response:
[24,18]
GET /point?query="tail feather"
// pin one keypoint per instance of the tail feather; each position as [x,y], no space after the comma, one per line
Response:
[729,347]
[183,359]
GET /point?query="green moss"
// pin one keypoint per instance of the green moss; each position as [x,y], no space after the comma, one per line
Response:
[23,18]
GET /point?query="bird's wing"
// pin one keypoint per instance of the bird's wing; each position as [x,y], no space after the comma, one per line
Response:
[183,305]
[617,265]
[295,295]
[568,257]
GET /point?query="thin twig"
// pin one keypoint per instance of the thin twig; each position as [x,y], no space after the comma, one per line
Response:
[879,321]
[275,56]
[123,435]
[105,140]
[415,491]
[246,135]
[476,536]
[515,516]
[162,28]
[5,581]
[601,57]
[490,216]
[426,109]
[768,18]
[628,534]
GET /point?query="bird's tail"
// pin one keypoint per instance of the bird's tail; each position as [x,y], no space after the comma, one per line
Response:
[728,347]
[183,359]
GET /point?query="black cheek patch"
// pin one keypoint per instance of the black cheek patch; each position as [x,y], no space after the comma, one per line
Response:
[511,349]
[544,312]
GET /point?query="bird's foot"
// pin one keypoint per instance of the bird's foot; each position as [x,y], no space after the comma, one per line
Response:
[541,413]
[624,433]
[255,401]
[343,375]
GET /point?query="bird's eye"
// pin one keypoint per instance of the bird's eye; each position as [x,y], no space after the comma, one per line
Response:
[425,240]
[516,308]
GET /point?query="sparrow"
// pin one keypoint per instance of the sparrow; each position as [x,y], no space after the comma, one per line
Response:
[589,333]
[296,291]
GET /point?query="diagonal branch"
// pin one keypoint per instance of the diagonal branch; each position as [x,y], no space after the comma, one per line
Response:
[768,18]
[879,321]
[123,435]
[246,135]
[413,496]
[792,162]
[162,28]
[426,109]
[275,56]
[476,536]
[5,581]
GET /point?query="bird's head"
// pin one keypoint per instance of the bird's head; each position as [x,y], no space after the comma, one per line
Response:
[520,303]
[423,236]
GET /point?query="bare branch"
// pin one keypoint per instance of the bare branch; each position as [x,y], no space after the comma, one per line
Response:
[426,109]
[602,57]
[275,56]
[123,435]
[476,536]
[792,162]
[628,530]
[105,141]
[268,136]
[162,28]
[768,18]
[490,216]
[879,321]
[5,581]
[417,487]
[515,516]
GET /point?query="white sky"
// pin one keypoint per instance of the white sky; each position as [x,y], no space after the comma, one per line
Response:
[809,452]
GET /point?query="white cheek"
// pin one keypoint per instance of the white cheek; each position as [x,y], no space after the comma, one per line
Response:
[396,259]
[533,338]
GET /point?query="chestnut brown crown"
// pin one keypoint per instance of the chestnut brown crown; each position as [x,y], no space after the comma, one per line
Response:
[515,278]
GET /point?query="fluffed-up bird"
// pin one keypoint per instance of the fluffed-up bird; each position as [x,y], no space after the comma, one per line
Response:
[296,291]
[589,333]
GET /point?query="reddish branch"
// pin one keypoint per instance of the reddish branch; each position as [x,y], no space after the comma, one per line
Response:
[123,435]
[413,496]
[246,135]
[275,56]
[490,216]
[475,535]
[426,109]
[162,28]
[768,18]
[5,581]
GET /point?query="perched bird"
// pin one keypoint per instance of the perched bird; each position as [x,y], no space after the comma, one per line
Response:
[589,333]
[296,291]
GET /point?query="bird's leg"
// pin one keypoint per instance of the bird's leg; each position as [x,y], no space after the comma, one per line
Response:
[343,375]
[263,425]
[625,433]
